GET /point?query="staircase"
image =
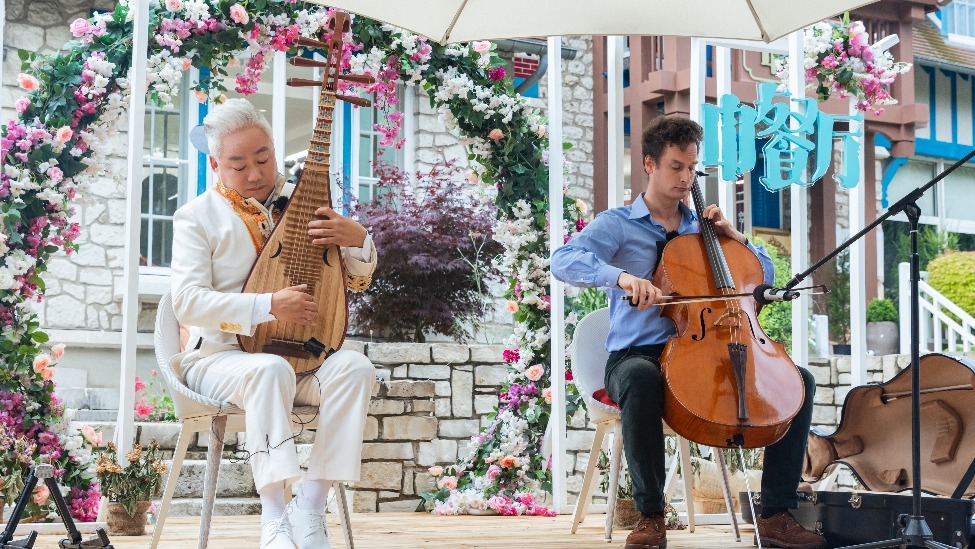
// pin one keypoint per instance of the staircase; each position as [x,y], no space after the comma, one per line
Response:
[944,327]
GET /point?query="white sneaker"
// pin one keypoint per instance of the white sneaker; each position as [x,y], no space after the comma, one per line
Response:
[310,531]
[276,534]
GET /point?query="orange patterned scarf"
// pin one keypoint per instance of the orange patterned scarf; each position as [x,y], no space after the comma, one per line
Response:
[260,221]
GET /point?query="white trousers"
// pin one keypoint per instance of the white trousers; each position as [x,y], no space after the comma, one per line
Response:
[266,388]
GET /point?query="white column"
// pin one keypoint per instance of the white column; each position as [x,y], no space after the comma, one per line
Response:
[699,76]
[722,73]
[278,97]
[409,129]
[3,22]
[557,341]
[800,206]
[125,428]
[614,127]
[858,265]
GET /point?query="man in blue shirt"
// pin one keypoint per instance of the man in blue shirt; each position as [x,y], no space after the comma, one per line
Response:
[619,251]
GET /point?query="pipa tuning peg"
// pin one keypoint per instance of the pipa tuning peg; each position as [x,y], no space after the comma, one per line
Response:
[301,82]
[355,100]
[311,43]
[305,62]
[358,78]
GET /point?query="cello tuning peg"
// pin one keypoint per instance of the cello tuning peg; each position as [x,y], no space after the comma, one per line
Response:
[362,102]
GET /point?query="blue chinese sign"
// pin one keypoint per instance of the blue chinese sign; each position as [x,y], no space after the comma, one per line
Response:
[792,138]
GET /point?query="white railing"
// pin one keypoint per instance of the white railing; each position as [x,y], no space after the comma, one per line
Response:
[944,327]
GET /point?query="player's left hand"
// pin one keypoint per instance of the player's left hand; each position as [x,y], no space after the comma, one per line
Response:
[721,224]
[334,228]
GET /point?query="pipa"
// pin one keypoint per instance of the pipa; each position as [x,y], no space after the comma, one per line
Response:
[289,258]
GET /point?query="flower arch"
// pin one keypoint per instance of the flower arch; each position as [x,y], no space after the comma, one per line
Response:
[56,147]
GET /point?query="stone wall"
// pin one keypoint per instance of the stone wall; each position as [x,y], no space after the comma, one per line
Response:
[432,399]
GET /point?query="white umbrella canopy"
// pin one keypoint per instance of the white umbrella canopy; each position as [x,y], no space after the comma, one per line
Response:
[449,21]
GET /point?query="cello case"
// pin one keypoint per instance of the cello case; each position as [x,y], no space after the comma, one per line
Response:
[874,440]
[874,435]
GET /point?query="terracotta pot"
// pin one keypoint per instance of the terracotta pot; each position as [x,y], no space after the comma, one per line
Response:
[121,523]
[626,515]
[883,338]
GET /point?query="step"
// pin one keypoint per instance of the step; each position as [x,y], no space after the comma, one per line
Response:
[235,480]
[222,507]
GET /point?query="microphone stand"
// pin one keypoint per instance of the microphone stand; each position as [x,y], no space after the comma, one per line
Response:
[915,532]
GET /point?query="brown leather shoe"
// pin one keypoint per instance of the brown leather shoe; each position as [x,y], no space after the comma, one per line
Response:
[782,530]
[649,533]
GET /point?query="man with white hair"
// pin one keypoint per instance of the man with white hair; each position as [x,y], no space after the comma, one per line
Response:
[217,238]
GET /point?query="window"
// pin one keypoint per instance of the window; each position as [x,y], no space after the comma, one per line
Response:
[948,204]
[166,180]
[366,152]
[959,19]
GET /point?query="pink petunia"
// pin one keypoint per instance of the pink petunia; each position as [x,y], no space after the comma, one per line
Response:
[142,409]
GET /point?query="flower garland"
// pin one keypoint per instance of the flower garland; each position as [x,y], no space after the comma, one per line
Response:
[58,143]
[839,59]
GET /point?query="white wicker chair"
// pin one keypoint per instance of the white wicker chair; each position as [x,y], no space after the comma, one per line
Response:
[589,357]
[198,414]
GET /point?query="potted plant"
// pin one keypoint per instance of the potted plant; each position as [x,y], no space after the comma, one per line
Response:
[130,489]
[882,332]
[836,277]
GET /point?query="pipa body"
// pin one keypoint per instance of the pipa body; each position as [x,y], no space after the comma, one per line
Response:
[290,259]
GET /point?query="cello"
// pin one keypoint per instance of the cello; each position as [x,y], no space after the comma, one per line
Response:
[726,383]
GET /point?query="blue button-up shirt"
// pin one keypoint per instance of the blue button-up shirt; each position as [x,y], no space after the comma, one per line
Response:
[628,239]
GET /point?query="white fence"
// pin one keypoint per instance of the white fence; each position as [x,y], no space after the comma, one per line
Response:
[944,327]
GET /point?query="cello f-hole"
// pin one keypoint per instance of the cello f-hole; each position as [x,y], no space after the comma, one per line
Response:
[704,329]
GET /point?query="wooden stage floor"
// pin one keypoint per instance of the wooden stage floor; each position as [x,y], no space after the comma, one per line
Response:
[405,530]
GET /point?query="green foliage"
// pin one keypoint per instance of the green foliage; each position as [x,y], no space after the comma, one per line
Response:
[931,243]
[835,274]
[776,318]
[951,274]
[881,310]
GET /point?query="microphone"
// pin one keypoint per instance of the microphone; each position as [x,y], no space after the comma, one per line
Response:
[766,294]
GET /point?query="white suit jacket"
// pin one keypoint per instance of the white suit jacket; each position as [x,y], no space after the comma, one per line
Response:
[212,256]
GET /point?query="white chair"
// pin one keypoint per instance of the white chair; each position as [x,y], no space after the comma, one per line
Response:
[589,357]
[198,414]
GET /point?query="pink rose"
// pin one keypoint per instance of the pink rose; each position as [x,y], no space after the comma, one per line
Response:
[541,131]
[201,96]
[55,174]
[187,63]
[449,482]
[492,472]
[41,362]
[47,374]
[436,470]
[512,306]
[547,394]
[28,82]
[471,176]
[496,134]
[80,27]
[535,372]
[57,351]
[239,14]
[41,493]
[139,384]
[508,462]
[22,104]
[63,134]
[174,5]
[481,47]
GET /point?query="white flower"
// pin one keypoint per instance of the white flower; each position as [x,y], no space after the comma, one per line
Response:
[6,279]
